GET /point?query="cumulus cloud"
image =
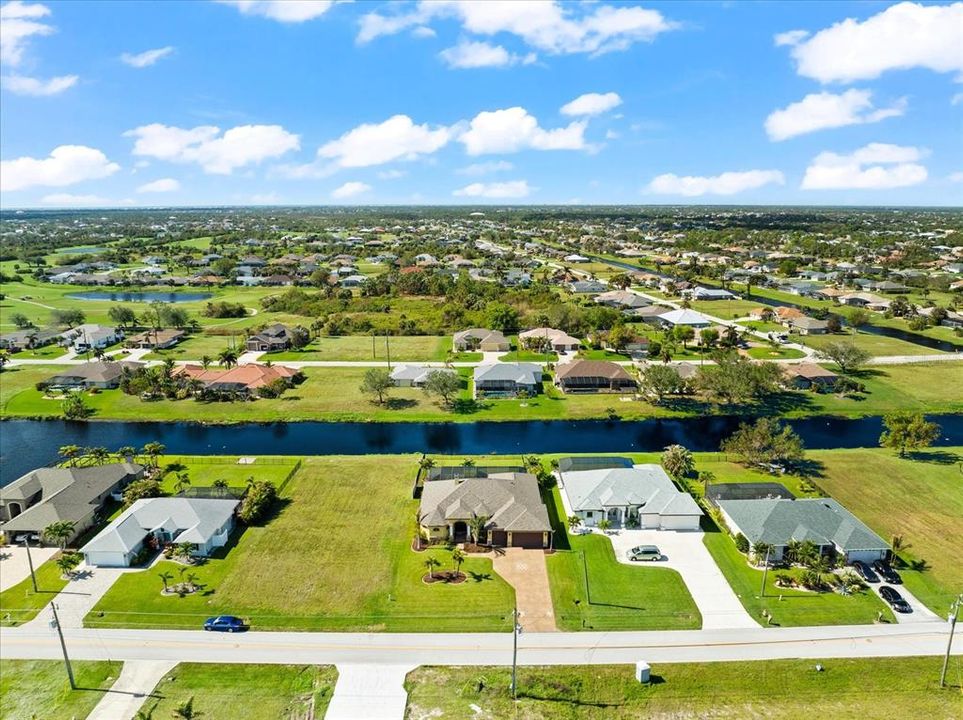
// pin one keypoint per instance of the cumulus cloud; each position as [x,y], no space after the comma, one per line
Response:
[20,21]
[820,111]
[510,189]
[790,37]
[514,129]
[21,85]
[288,11]
[216,153]
[397,138]
[146,58]
[485,168]
[160,186]
[66,165]
[471,54]
[728,183]
[877,166]
[552,27]
[591,104]
[350,189]
[902,36]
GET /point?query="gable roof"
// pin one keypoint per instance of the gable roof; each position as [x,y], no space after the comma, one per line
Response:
[685,316]
[643,486]
[417,373]
[481,334]
[523,373]
[511,500]
[97,371]
[592,368]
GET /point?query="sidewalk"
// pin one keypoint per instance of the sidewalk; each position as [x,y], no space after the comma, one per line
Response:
[371,692]
[131,690]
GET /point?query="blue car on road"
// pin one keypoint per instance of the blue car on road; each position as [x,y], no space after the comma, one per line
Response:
[224,623]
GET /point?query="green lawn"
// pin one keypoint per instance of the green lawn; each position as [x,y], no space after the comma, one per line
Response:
[251,692]
[365,347]
[337,556]
[47,352]
[528,356]
[767,352]
[876,345]
[203,471]
[19,604]
[725,309]
[39,688]
[591,590]
[873,689]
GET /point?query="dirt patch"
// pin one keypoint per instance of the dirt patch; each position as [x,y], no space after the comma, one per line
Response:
[448,577]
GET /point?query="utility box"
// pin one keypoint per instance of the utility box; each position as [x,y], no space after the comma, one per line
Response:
[642,671]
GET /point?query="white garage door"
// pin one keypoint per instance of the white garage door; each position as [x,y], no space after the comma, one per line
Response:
[106,559]
[680,522]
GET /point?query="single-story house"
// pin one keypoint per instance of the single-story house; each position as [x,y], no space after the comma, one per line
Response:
[511,502]
[685,316]
[593,376]
[576,258]
[205,523]
[641,494]
[622,299]
[587,286]
[100,374]
[806,376]
[54,494]
[558,340]
[273,338]
[717,492]
[93,337]
[415,375]
[702,293]
[834,529]
[241,380]
[156,339]
[504,378]
[806,325]
[480,339]
[28,338]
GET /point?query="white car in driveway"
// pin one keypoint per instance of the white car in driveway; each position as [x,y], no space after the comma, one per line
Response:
[641,553]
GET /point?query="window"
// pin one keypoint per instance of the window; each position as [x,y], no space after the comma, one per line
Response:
[589,515]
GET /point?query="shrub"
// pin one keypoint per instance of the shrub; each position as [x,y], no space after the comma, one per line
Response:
[784,580]
[257,500]
[742,543]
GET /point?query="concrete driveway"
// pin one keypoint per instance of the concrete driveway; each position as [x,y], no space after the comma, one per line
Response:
[87,586]
[14,566]
[685,553]
[525,571]
[920,614]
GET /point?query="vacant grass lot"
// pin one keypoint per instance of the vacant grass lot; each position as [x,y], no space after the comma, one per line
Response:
[592,590]
[873,689]
[767,352]
[876,345]
[204,471]
[19,604]
[336,557]
[252,692]
[366,347]
[39,689]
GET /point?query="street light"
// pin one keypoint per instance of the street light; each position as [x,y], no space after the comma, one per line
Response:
[55,624]
[33,577]
[516,631]
[955,607]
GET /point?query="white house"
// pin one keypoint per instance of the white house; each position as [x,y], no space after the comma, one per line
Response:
[641,494]
[206,523]
[685,317]
[91,337]
[557,339]
[415,375]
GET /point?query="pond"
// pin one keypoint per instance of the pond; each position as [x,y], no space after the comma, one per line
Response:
[27,444]
[137,296]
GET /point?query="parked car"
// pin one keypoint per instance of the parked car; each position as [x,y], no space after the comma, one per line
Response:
[644,552]
[23,537]
[864,571]
[886,572]
[224,623]
[895,600]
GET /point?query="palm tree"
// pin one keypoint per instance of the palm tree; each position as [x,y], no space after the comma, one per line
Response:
[70,453]
[152,450]
[220,485]
[760,550]
[67,562]
[183,482]
[145,714]
[431,563]
[206,361]
[604,524]
[127,452]
[457,557]
[165,576]
[59,532]
[4,357]
[185,550]
[228,357]
[468,462]
[477,525]
[425,464]
[186,711]
[99,455]
[574,521]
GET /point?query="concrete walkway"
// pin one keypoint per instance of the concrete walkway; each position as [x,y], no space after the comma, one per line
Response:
[372,692]
[87,586]
[131,690]
[525,571]
[14,566]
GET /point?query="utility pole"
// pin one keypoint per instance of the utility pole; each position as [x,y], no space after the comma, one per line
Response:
[63,646]
[765,571]
[949,645]
[33,577]
[516,629]
[388,349]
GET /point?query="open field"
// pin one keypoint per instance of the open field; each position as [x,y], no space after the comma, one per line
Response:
[39,689]
[19,604]
[251,692]
[336,556]
[365,347]
[880,689]
[873,344]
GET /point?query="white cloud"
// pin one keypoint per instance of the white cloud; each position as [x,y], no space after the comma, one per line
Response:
[19,23]
[205,145]
[393,174]
[877,166]
[350,189]
[728,183]
[66,165]
[553,27]
[423,32]
[592,104]
[510,189]
[160,186]
[513,129]
[288,11]
[790,37]
[902,36]
[20,85]
[471,54]
[485,168]
[819,111]
[146,58]
[65,199]
[397,138]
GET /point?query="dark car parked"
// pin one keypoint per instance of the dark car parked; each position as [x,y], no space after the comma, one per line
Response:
[895,600]
[224,623]
[886,572]
[864,571]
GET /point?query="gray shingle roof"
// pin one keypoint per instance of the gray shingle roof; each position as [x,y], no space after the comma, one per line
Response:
[522,373]
[643,486]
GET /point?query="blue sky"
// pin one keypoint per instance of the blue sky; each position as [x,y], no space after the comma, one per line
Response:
[196,103]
